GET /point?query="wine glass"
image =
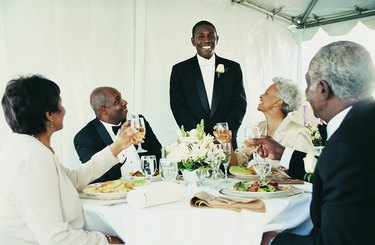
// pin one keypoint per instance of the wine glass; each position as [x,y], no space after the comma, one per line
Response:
[223,134]
[227,150]
[250,133]
[261,165]
[216,161]
[138,124]
[168,169]
[148,165]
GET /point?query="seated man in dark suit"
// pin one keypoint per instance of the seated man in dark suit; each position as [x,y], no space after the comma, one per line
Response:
[111,110]
[340,83]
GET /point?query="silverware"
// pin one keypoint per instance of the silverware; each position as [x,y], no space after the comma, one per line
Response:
[210,197]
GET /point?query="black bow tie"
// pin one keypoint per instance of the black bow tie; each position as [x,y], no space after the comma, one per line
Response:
[115,129]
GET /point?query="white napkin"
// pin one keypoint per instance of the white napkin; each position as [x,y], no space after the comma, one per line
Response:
[155,194]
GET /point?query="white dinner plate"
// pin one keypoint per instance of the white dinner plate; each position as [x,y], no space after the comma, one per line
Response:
[287,191]
[112,195]
[153,178]
[253,176]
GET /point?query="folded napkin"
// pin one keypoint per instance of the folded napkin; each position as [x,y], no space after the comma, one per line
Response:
[205,199]
[154,194]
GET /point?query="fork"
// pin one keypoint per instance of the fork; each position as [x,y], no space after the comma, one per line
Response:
[220,199]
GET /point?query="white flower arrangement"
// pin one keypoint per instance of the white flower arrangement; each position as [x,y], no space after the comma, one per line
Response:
[220,70]
[194,148]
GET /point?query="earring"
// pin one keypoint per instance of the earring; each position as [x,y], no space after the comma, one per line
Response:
[50,124]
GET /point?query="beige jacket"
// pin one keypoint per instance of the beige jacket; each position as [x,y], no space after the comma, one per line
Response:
[290,133]
[39,202]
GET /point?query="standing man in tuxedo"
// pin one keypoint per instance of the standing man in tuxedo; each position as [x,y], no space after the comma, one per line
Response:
[340,83]
[207,86]
[111,110]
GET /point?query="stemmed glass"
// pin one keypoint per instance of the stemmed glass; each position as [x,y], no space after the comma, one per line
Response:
[227,150]
[223,134]
[261,165]
[252,132]
[215,163]
[148,165]
[137,123]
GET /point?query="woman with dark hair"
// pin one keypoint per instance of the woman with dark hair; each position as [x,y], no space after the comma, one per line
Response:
[39,201]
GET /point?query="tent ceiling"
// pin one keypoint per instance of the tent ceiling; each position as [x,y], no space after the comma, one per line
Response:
[311,13]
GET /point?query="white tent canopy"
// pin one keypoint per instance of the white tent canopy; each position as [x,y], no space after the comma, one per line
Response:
[132,45]
[312,14]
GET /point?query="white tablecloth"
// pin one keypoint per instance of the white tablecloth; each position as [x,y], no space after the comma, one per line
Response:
[178,223]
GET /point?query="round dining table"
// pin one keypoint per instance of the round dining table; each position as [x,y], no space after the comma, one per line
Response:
[179,223]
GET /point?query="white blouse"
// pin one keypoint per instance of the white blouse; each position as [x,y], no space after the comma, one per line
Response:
[39,202]
[290,133]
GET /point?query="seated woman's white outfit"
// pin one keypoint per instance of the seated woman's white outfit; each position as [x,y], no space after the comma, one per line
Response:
[290,133]
[39,202]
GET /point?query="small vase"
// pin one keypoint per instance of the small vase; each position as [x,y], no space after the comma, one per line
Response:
[190,177]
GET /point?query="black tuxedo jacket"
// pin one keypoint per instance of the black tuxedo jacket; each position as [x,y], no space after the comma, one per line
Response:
[189,102]
[94,137]
[343,199]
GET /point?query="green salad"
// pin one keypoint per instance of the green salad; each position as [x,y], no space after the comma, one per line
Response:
[256,186]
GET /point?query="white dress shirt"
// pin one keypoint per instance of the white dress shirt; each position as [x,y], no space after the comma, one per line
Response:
[130,155]
[208,74]
[39,202]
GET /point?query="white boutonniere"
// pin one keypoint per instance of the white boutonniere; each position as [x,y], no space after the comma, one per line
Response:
[220,69]
[310,162]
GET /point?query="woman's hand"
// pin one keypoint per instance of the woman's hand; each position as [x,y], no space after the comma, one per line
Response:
[225,135]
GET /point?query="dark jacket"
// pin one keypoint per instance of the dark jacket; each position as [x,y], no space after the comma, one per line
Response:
[189,102]
[343,199]
[94,137]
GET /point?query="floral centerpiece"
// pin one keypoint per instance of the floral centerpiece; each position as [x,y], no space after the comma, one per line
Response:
[194,149]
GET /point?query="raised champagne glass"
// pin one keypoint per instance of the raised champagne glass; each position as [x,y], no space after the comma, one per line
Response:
[250,133]
[138,124]
[222,132]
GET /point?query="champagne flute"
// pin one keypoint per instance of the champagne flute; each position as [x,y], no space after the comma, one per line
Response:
[227,150]
[216,161]
[223,134]
[250,133]
[137,123]
[261,165]
[148,165]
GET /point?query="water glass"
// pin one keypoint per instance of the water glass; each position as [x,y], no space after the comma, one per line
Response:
[261,165]
[148,165]
[168,169]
